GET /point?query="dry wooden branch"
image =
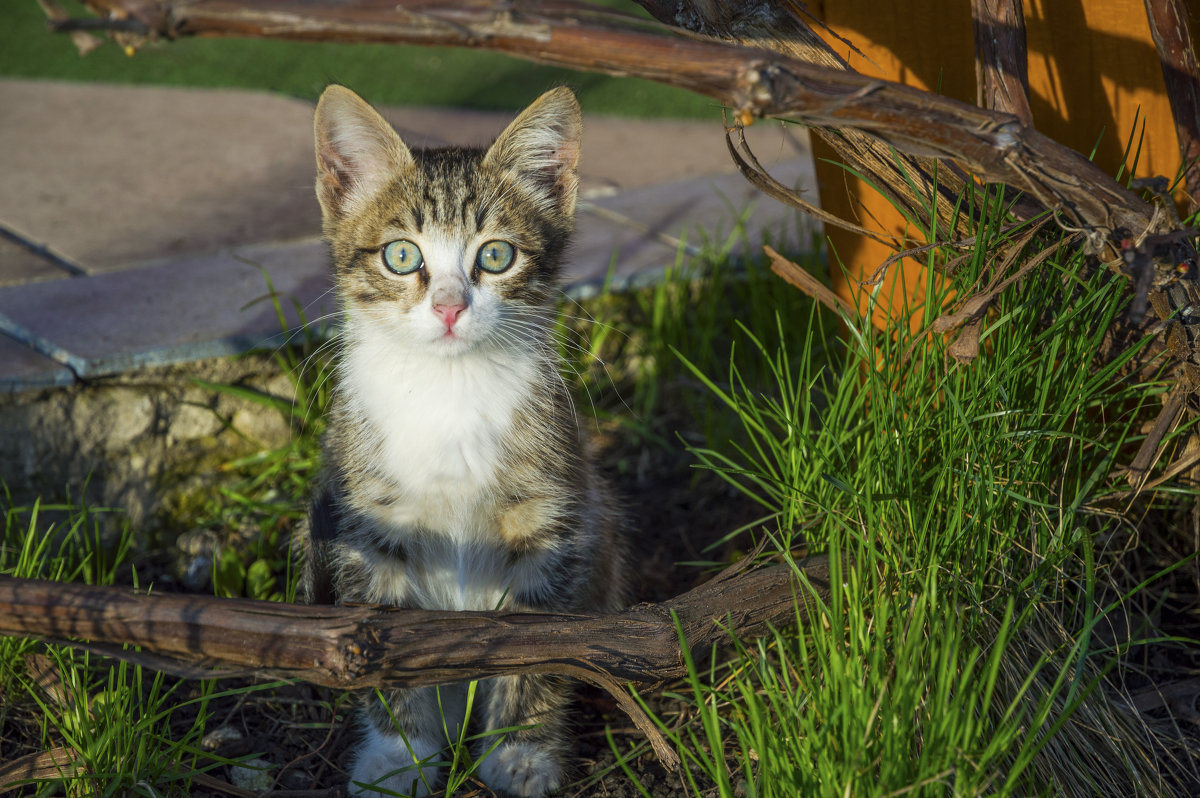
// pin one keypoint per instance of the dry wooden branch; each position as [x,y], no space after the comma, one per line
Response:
[55,14]
[753,82]
[361,646]
[907,180]
[1181,74]
[1001,68]
[45,765]
[810,285]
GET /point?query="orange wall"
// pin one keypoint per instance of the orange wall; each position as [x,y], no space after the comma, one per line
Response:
[1092,68]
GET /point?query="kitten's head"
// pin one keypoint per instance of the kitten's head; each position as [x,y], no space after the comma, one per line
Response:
[447,249]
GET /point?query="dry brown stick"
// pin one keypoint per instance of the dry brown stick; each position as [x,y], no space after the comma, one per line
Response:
[367,646]
[751,81]
[809,284]
[1181,74]
[84,42]
[1151,449]
[1001,66]
[54,763]
[361,646]
[754,172]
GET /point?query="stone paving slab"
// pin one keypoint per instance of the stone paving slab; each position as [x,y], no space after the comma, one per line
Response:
[19,264]
[177,309]
[116,175]
[24,369]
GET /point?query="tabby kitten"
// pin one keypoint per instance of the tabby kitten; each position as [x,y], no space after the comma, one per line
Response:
[455,474]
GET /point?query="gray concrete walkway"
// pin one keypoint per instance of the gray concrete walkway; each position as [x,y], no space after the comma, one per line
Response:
[139,226]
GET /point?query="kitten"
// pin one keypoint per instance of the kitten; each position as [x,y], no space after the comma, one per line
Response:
[455,473]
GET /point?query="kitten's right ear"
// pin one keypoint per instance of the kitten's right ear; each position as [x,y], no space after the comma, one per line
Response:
[358,152]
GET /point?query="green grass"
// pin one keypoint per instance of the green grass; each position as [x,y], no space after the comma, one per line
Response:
[971,504]
[126,730]
[69,542]
[115,720]
[388,74]
[620,349]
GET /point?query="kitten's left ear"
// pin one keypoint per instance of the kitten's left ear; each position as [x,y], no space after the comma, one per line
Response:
[541,147]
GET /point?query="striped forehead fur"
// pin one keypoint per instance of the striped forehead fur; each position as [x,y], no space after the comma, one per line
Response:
[535,157]
[456,191]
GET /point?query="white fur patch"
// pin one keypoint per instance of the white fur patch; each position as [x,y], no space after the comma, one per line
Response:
[441,421]
[385,761]
[521,769]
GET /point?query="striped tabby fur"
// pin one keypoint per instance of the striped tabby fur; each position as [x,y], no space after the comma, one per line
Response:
[455,474]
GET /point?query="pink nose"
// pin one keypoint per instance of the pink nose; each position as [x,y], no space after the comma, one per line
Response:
[449,313]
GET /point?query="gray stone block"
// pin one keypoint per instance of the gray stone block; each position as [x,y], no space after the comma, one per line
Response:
[178,309]
[18,265]
[23,369]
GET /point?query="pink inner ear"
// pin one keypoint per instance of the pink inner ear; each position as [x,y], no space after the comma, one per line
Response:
[333,166]
[334,176]
[567,154]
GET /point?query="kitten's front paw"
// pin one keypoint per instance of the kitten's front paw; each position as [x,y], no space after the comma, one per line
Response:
[521,769]
[386,767]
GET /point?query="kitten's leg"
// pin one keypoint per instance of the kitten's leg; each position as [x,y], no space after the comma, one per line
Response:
[528,763]
[389,759]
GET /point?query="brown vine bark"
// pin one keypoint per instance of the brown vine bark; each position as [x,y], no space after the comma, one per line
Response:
[364,646]
[739,74]
[1001,69]
[1181,74]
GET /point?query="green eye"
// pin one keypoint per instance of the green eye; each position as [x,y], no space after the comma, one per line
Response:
[495,256]
[403,256]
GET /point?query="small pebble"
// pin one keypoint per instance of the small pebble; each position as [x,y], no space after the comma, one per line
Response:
[254,775]
[220,736]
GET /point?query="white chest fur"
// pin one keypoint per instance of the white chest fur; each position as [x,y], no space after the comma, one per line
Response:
[440,427]
[441,424]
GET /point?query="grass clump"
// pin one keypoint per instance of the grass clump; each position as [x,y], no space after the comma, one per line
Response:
[68,542]
[117,725]
[112,726]
[969,507]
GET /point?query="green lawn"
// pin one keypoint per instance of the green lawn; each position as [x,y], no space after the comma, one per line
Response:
[387,74]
